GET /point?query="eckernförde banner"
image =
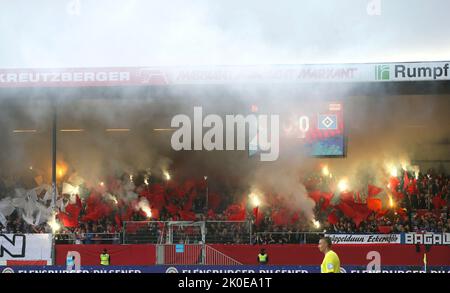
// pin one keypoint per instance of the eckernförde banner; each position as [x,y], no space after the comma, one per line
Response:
[219,269]
[364,238]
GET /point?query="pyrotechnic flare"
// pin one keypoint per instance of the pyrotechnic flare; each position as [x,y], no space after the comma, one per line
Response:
[416,172]
[145,207]
[316,224]
[391,201]
[146,181]
[393,171]
[147,211]
[167,175]
[54,224]
[343,185]
[325,171]
[254,199]
[102,184]
[404,166]
[131,177]
[61,169]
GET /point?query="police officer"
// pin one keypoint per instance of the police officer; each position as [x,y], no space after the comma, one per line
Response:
[263,258]
[105,258]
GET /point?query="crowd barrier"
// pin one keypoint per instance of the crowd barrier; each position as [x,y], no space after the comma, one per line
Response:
[288,254]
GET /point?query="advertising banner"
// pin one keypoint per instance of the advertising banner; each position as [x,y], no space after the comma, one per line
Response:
[123,76]
[29,248]
[364,238]
[197,269]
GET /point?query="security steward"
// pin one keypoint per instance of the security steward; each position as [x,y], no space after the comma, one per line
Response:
[105,259]
[263,258]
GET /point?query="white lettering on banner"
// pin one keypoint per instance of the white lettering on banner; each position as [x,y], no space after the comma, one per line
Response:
[427,238]
[364,238]
[76,261]
[13,245]
[30,247]
[327,73]
[375,261]
[62,77]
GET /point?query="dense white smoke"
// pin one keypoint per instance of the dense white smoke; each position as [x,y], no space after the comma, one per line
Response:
[181,32]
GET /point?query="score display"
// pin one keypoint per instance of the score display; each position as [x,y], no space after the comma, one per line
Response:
[321,132]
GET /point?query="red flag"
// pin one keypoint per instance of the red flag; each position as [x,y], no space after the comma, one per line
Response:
[258,217]
[381,213]
[332,218]
[327,196]
[118,221]
[361,213]
[213,200]
[374,204]
[393,183]
[172,209]
[155,214]
[438,202]
[372,190]
[405,180]
[315,195]
[398,196]
[188,205]
[347,197]
[187,215]
[346,209]
[67,220]
[235,213]
[412,188]
[295,218]
[385,229]
[255,212]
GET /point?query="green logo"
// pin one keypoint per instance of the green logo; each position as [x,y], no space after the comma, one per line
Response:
[381,72]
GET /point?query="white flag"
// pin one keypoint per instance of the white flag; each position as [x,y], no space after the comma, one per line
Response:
[3,220]
[6,206]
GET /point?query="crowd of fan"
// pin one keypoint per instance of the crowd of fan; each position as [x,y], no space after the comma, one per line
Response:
[422,216]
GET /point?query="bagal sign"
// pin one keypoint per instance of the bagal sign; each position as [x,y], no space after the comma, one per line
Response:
[25,247]
[427,238]
[141,76]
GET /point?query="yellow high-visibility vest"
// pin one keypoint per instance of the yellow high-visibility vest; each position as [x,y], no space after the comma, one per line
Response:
[262,257]
[104,259]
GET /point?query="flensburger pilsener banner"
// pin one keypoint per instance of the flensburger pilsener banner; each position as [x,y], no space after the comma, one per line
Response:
[215,269]
[364,238]
[25,247]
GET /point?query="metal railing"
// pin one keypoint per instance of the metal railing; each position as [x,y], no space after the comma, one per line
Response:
[288,237]
[88,238]
[172,232]
[236,232]
[138,232]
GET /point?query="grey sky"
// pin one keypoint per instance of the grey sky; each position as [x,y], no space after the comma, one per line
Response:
[188,32]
